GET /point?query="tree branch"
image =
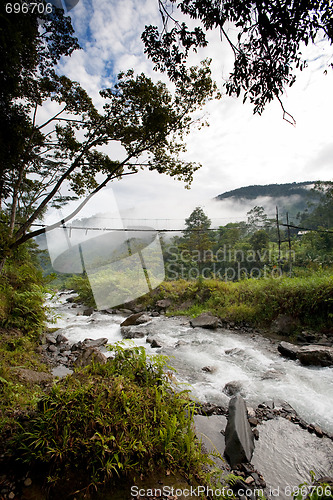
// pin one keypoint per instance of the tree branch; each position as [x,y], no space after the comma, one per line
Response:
[51,119]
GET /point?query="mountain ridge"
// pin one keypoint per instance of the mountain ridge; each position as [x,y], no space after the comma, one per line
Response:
[272,190]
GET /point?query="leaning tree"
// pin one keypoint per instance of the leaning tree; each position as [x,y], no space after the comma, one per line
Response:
[67,148]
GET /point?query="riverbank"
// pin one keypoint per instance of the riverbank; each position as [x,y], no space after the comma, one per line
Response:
[288,306]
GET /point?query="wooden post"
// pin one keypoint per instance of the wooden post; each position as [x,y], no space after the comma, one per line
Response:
[289,244]
[279,236]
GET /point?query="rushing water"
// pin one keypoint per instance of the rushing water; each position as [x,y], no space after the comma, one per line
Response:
[247,358]
[251,359]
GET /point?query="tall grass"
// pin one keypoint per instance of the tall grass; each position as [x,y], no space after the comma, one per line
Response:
[257,301]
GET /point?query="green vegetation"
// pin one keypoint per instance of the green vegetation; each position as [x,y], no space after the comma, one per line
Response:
[22,294]
[121,419]
[256,302]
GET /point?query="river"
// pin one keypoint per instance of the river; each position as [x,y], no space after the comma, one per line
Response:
[283,451]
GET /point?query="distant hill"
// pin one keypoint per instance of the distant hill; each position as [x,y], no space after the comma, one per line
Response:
[302,189]
[293,197]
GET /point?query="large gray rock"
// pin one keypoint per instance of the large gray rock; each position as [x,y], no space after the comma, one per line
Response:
[288,350]
[88,356]
[316,355]
[205,320]
[136,319]
[239,439]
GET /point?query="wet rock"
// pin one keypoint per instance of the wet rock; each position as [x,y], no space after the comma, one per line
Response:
[283,406]
[50,339]
[95,342]
[232,388]
[255,433]
[239,438]
[136,319]
[52,348]
[234,352]
[272,374]
[209,369]
[88,356]
[155,344]
[288,350]
[133,307]
[130,333]
[205,320]
[88,311]
[305,338]
[107,311]
[316,355]
[179,343]
[61,339]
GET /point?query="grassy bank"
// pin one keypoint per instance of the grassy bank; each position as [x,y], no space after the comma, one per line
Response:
[257,302]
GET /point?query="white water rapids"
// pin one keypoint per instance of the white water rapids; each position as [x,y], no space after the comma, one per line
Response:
[284,453]
[251,359]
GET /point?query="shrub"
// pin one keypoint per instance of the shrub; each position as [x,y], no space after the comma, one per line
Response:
[112,420]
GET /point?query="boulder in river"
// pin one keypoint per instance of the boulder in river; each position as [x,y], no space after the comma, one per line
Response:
[154,342]
[288,350]
[94,342]
[239,439]
[205,320]
[132,333]
[88,311]
[232,388]
[136,319]
[315,355]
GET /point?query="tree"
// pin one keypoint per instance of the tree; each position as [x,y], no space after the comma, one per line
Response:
[257,218]
[267,50]
[196,236]
[65,149]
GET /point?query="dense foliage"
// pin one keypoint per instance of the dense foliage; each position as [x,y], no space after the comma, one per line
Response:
[118,419]
[309,300]
[22,294]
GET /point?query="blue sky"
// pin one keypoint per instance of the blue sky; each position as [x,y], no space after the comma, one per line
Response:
[238,149]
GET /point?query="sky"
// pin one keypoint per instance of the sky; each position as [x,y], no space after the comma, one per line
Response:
[237,149]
